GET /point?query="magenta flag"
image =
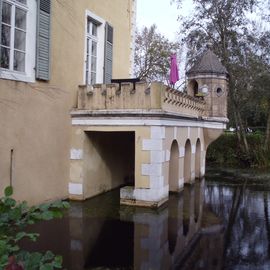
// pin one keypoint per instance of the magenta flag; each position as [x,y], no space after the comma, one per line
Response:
[174,77]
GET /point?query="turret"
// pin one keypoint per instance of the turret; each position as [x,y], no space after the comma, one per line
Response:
[208,79]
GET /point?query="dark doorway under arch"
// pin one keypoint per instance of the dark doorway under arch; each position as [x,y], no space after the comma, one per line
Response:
[193,88]
[174,167]
[187,162]
[198,159]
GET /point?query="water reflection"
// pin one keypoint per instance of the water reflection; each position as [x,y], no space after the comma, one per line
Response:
[222,223]
[100,233]
[243,205]
[159,236]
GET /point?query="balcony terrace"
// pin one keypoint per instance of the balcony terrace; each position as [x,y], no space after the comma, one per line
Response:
[140,98]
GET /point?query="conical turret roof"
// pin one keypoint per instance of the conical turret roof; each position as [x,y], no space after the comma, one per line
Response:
[208,63]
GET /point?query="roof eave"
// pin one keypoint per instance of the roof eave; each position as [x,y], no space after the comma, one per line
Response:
[207,73]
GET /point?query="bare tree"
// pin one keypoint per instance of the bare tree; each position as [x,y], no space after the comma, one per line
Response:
[152,54]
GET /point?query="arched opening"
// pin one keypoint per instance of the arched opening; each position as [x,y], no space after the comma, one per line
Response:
[187,162]
[198,159]
[193,88]
[174,167]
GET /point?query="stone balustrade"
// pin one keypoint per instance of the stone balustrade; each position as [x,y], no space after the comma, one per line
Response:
[155,96]
[176,101]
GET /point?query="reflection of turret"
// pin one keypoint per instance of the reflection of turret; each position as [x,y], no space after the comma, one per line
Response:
[207,253]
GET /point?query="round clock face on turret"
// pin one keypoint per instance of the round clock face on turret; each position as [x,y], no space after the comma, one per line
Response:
[204,90]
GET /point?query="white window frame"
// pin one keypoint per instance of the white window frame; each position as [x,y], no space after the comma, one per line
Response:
[30,44]
[100,38]
[91,39]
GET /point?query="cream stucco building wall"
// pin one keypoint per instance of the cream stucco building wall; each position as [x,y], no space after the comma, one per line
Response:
[35,121]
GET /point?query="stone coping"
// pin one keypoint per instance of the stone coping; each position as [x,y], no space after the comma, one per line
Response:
[143,113]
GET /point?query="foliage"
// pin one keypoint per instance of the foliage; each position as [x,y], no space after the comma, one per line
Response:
[14,217]
[242,44]
[152,54]
[225,151]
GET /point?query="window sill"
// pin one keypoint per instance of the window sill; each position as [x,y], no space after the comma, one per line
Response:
[16,76]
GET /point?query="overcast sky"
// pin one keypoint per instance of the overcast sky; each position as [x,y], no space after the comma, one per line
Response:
[163,14]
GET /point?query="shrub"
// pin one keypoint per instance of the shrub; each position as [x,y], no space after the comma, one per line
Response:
[227,152]
[14,217]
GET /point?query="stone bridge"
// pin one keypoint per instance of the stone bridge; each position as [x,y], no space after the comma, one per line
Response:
[148,138]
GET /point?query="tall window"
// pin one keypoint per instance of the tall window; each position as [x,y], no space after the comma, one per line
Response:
[98,50]
[91,52]
[13,35]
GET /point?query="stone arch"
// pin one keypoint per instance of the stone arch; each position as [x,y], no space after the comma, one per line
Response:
[187,162]
[174,167]
[193,88]
[198,159]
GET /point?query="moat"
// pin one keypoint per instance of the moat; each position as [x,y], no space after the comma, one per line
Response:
[220,222]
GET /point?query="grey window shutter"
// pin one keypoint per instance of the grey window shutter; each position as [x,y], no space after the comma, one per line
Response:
[0,23]
[108,55]
[43,40]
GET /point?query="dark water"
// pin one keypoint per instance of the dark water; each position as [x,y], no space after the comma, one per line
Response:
[221,222]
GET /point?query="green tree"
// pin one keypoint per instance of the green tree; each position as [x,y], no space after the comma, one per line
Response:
[226,24]
[261,98]
[152,54]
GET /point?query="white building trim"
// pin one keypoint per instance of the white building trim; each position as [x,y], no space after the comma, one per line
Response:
[76,154]
[30,46]
[100,47]
[147,122]
[75,188]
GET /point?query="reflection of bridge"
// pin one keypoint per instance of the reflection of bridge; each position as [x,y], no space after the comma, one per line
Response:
[160,238]
[100,234]
[151,138]
[144,238]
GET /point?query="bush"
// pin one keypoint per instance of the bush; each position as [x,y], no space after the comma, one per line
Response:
[227,152]
[14,217]
[216,151]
